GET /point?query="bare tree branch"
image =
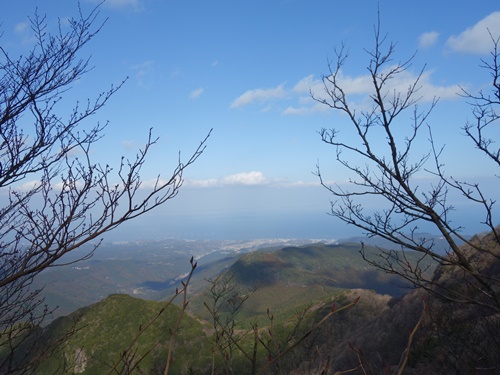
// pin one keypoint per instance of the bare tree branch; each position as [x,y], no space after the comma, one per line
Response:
[391,163]
[56,198]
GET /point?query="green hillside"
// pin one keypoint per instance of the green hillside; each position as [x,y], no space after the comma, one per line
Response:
[282,283]
[340,266]
[96,337]
[100,333]
[144,269]
[289,279]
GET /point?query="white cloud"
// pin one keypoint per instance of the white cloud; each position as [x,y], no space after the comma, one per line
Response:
[56,185]
[428,39]
[427,91]
[309,85]
[24,32]
[136,4]
[143,73]
[27,186]
[259,95]
[296,110]
[157,182]
[122,3]
[211,182]
[245,178]
[352,85]
[248,179]
[476,39]
[305,110]
[196,93]
[358,89]
[304,184]
[129,145]
[267,108]
[362,84]
[254,178]
[306,84]
[68,185]
[298,100]
[21,27]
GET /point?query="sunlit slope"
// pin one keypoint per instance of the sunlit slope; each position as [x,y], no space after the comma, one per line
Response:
[291,278]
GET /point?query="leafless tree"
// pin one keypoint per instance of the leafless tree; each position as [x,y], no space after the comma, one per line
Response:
[226,301]
[386,159]
[74,200]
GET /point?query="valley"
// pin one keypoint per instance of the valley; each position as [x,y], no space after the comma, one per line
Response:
[269,295]
[148,270]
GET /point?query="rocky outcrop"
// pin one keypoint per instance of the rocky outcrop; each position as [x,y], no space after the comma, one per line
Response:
[80,361]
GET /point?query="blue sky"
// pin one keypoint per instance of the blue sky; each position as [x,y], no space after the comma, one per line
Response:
[245,69]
